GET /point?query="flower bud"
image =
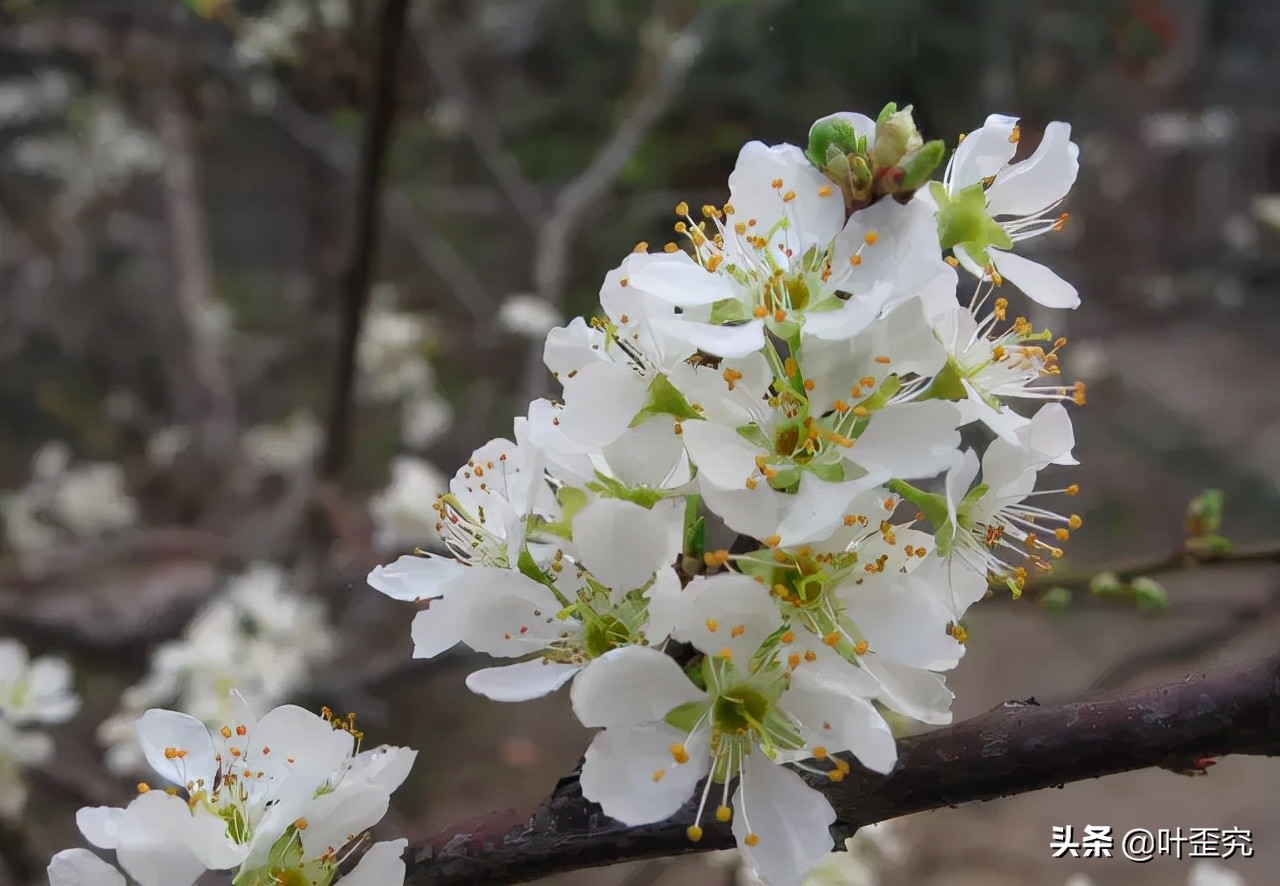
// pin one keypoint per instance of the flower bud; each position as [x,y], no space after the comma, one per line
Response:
[1149,594]
[896,136]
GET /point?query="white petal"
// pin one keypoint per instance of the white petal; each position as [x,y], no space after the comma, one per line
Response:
[439,626]
[382,865]
[521,682]
[621,543]
[905,254]
[80,867]
[386,766]
[1038,282]
[511,614]
[677,279]
[153,848]
[790,818]
[159,731]
[814,218]
[100,825]
[904,617]
[818,507]
[729,611]
[724,458]
[572,347]
[1039,181]
[413,578]
[983,153]
[909,440]
[919,694]
[666,605]
[729,342]
[333,817]
[601,401]
[619,769]
[853,315]
[632,684]
[840,720]
[650,454]
[753,512]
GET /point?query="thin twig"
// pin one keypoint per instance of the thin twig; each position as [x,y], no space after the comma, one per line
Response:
[1181,561]
[1012,749]
[359,275]
[481,125]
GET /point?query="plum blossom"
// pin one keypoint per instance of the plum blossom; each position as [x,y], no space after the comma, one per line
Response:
[981,186]
[797,374]
[287,796]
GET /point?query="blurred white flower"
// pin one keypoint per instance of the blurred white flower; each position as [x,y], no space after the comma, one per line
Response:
[33,693]
[23,99]
[256,636]
[528,315]
[402,514]
[392,355]
[285,445]
[63,501]
[1210,873]
[424,420]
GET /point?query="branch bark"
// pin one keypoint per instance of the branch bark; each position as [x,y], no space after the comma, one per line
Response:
[359,275]
[1012,749]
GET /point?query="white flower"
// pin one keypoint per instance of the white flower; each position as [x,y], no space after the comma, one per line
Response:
[750,714]
[283,446]
[593,595]
[34,690]
[981,186]
[33,693]
[425,417]
[63,500]
[280,796]
[991,527]
[392,355]
[987,367]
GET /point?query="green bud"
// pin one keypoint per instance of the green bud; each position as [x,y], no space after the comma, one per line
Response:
[1056,600]
[1204,513]
[1149,594]
[896,137]
[1106,584]
[827,134]
[917,168]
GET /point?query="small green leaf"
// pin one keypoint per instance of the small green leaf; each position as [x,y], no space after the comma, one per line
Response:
[687,715]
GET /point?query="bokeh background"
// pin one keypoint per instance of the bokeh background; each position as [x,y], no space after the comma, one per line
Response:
[184,188]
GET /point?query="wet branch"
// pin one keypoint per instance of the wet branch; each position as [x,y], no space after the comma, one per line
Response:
[1012,749]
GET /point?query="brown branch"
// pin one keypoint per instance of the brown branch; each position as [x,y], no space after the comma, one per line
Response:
[1181,561]
[1012,749]
[359,275]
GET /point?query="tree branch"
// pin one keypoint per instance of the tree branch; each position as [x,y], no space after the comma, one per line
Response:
[1127,570]
[1012,749]
[359,276]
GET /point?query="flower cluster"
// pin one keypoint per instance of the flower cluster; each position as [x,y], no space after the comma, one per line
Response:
[284,799]
[33,693]
[797,374]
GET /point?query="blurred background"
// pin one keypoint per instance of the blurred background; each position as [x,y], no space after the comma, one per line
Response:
[200,460]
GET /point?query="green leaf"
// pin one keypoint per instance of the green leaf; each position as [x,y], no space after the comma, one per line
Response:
[665,399]
[1149,594]
[1056,600]
[687,715]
